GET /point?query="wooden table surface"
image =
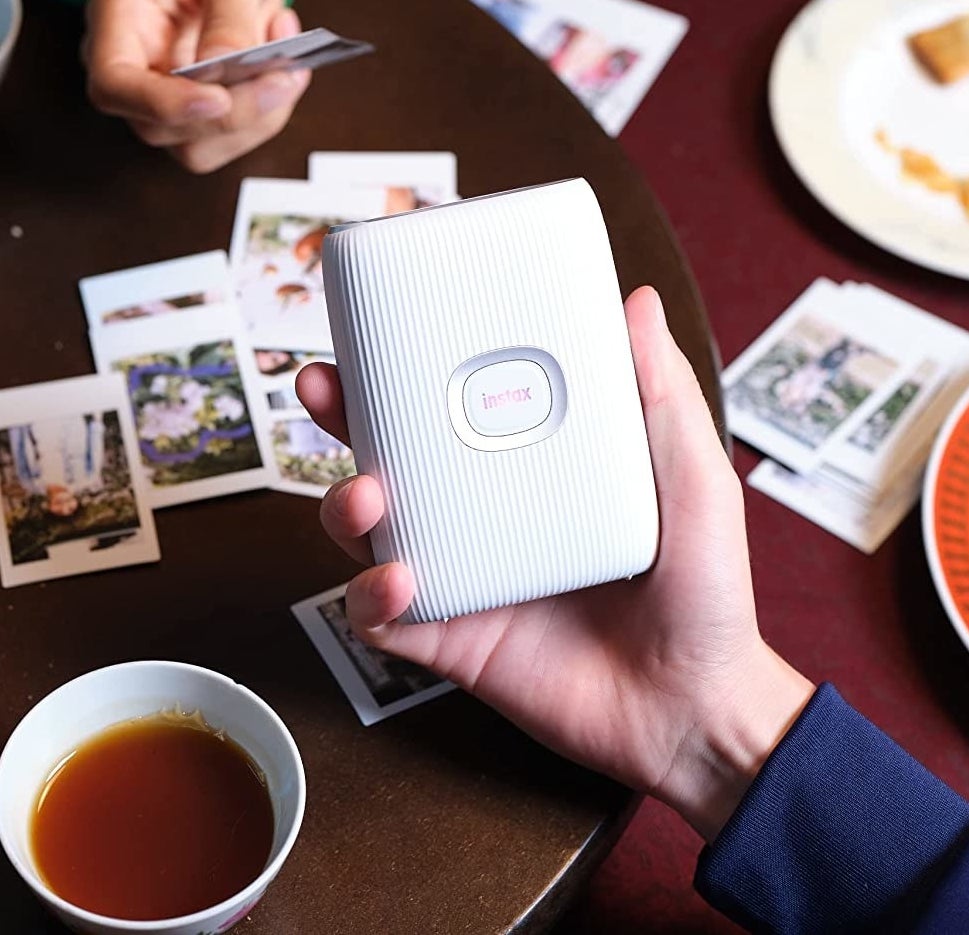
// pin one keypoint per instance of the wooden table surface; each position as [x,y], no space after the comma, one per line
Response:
[444,819]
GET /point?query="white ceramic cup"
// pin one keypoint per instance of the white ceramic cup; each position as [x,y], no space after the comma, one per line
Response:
[10,16]
[92,702]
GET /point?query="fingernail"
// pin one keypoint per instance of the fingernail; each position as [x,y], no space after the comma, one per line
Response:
[341,498]
[380,585]
[206,108]
[288,24]
[278,90]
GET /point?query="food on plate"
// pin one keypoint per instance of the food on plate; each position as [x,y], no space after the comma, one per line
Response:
[922,168]
[944,50]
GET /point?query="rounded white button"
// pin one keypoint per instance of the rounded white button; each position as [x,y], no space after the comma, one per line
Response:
[507,397]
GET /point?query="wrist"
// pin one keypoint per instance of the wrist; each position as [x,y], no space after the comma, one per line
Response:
[730,738]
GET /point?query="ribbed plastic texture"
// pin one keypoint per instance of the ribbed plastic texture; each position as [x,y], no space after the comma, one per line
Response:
[410,298]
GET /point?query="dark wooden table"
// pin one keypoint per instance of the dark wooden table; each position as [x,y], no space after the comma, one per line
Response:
[444,819]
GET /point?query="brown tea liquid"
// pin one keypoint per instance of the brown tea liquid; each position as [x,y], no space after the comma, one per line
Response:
[153,818]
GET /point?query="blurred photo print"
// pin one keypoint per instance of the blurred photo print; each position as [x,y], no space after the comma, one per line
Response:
[813,378]
[182,285]
[277,252]
[308,460]
[407,180]
[69,498]
[607,53]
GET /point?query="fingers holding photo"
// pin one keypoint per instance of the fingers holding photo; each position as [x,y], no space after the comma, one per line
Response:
[256,111]
[271,98]
[131,46]
[230,25]
[128,59]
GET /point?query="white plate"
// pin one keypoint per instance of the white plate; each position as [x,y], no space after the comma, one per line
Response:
[843,71]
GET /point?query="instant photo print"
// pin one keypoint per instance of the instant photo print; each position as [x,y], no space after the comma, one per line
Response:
[490,390]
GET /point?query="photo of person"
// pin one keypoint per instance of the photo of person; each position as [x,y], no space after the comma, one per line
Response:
[808,383]
[592,64]
[64,479]
[178,303]
[585,61]
[595,82]
[272,362]
[608,53]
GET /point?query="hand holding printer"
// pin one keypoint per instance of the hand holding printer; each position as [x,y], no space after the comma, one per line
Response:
[663,681]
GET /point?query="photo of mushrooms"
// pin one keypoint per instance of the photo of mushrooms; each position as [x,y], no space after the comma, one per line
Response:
[281,279]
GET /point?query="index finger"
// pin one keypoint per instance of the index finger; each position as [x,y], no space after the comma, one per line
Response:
[320,391]
[229,26]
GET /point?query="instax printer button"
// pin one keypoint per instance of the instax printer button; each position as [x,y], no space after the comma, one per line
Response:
[507,398]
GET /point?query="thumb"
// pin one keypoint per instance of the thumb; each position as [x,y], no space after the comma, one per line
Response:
[689,461]
[228,26]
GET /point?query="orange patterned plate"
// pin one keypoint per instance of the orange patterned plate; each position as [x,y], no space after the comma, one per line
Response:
[945,516]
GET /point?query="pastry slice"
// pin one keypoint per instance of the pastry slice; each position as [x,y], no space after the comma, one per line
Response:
[944,51]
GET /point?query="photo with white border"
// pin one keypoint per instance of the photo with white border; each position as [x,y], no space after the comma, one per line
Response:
[608,53]
[277,251]
[181,285]
[202,425]
[408,180]
[71,493]
[812,377]
[377,684]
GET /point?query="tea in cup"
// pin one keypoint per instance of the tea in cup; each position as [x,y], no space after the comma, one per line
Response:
[150,797]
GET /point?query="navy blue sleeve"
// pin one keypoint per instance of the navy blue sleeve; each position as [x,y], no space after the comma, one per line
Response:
[841,831]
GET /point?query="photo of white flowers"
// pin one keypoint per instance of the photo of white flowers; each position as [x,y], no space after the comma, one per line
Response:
[190,413]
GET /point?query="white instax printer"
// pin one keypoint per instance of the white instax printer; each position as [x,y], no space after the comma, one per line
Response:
[490,390]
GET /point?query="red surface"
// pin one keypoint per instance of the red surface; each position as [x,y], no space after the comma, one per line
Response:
[756,239]
[950,518]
